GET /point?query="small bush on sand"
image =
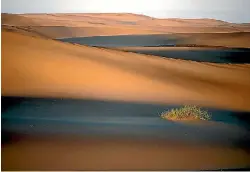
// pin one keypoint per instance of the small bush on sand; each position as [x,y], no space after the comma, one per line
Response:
[186,113]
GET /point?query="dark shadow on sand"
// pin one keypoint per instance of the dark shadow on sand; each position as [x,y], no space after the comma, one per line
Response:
[40,116]
[214,54]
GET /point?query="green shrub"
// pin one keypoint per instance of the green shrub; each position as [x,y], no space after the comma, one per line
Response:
[186,113]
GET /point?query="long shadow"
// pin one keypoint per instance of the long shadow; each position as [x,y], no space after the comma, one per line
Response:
[217,55]
[214,56]
[124,40]
[40,116]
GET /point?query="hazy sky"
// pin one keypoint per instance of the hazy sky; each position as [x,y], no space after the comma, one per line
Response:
[229,10]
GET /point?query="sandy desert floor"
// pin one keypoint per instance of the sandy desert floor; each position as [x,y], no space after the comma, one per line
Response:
[55,153]
[34,65]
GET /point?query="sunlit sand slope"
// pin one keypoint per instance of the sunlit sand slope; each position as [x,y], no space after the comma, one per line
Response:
[33,66]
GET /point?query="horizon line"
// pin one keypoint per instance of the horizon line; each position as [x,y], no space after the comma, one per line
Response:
[191,18]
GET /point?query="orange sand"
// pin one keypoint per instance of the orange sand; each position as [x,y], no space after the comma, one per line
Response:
[119,154]
[76,25]
[38,67]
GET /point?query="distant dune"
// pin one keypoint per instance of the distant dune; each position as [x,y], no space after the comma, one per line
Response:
[128,23]
[198,31]
[236,39]
[46,68]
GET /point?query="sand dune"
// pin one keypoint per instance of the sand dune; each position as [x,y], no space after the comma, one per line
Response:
[236,39]
[54,25]
[38,67]
[190,31]
[35,65]
[16,20]
[120,19]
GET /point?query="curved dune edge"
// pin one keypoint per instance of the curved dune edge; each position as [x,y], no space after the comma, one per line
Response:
[45,68]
